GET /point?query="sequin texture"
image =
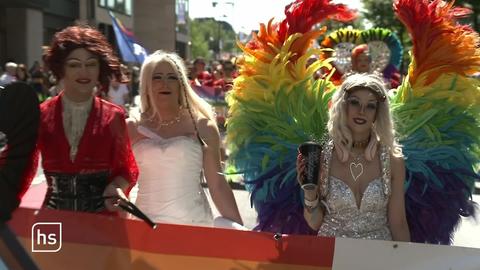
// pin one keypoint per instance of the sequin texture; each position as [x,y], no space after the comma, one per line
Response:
[345,218]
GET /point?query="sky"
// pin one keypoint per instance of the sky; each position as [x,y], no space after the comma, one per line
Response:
[246,15]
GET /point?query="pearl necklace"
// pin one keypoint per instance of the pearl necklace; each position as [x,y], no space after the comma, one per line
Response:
[166,123]
[170,122]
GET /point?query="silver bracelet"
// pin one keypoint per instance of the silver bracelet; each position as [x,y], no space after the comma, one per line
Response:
[311,204]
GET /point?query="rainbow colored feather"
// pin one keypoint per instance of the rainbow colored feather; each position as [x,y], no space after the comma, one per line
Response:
[274,106]
[342,41]
[437,116]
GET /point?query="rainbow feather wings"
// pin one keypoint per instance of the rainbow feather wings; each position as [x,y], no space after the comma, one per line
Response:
[437,118]
[276,105]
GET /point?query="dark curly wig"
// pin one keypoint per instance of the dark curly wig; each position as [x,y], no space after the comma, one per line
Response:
[74,37]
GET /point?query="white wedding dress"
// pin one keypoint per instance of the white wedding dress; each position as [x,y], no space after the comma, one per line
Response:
[169,189]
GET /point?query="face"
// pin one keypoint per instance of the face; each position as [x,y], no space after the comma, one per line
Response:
[218,73]
[81,73]
[165,85]
[361,63]
[199,67]
[362,106]
[21,74]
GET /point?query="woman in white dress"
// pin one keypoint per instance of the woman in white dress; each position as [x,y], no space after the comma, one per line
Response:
[176,143]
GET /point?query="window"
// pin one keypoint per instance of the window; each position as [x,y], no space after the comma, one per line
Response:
[120,6]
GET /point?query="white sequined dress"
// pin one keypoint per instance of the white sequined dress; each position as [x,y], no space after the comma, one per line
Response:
[344,218]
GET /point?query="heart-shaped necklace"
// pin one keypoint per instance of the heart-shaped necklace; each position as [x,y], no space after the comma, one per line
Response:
[356,167]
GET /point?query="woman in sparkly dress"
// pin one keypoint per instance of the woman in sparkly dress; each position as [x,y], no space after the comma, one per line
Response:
[176,143]
[360,191]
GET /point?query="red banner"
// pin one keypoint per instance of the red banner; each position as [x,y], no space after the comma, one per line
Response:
[70,240]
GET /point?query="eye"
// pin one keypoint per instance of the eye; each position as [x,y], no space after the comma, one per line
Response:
[92,64]
[353,102]
[74,64]
[372,106]
[157,77]
[172,78]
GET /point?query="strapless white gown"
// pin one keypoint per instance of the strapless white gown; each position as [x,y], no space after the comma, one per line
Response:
[169,189]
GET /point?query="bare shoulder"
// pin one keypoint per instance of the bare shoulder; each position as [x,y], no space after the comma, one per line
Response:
[398,162]
[208,130]
[132,125]
[132,122]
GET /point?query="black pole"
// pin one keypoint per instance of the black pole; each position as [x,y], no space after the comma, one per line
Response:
[15,251]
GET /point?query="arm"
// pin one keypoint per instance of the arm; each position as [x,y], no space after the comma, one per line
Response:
[313,215]
[222,195]
[396,206]
[124,167]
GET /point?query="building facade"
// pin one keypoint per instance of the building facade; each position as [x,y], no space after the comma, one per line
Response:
[28,25]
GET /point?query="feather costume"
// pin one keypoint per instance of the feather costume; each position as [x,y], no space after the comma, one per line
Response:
[384,47]
[437,118]
[275,106]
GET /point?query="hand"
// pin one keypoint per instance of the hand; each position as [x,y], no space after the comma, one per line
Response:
[300,169]
[309,194]
[114,190]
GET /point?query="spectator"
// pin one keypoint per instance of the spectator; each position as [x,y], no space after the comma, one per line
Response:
[9,75]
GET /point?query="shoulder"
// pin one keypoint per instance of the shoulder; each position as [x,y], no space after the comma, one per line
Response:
[397,161]
[132,125]
[49,104]
[109,108]
[208,130]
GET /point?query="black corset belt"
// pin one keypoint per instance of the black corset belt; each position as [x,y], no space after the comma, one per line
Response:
[76,192]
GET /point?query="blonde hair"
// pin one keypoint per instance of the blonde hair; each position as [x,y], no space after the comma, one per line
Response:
[188,97]
[383,128]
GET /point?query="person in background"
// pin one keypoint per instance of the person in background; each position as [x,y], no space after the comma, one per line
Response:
[361,59]
[83,140]
[9,75]
[199,74]
[118,93]
[177,144]
[22,74]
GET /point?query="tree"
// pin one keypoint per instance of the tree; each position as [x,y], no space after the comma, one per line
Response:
[210,37]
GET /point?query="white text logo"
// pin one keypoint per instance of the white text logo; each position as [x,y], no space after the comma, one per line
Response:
[46,237]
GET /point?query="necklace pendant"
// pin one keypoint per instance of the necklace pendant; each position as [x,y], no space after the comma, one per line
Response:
[356,170]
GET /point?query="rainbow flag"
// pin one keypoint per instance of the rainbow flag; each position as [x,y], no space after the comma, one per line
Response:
[130,50]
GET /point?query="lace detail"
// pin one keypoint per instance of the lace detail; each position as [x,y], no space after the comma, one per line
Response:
[344,218]
[75,115]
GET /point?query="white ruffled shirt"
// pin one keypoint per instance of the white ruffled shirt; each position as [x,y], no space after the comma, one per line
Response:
[75,116]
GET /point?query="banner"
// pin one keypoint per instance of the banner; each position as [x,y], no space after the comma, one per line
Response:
[61,239]
[130,50]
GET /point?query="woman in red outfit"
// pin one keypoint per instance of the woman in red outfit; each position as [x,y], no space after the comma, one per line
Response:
[85,148]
